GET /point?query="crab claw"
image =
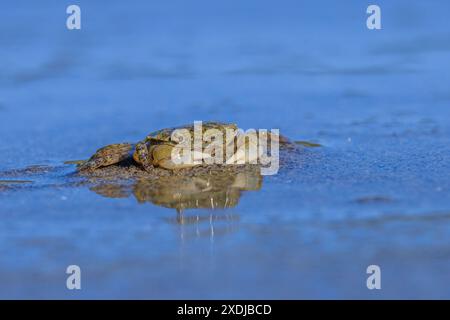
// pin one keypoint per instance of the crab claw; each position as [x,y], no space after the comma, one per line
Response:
[142,156]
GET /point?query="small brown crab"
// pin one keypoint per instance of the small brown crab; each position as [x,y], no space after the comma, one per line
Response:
[156,149]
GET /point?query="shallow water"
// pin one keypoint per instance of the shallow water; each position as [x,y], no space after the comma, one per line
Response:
[377,192]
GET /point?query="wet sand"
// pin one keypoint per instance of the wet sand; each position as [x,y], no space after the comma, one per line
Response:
[376,192]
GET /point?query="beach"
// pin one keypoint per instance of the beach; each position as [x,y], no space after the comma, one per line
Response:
[376,192]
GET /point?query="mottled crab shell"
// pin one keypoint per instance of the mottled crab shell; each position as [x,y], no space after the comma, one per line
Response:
[164,135]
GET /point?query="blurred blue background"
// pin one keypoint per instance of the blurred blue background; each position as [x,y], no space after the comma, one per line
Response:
[378,100]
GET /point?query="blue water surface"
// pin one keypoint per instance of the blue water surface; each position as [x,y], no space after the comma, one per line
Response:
[377,192]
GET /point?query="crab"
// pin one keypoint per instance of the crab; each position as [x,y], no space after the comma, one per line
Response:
[156,149]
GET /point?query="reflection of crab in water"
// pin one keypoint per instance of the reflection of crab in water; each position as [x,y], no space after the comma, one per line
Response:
[217,188]
[156,149]
[212,190]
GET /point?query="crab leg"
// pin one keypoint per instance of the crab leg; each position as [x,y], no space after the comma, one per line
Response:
[108,155]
